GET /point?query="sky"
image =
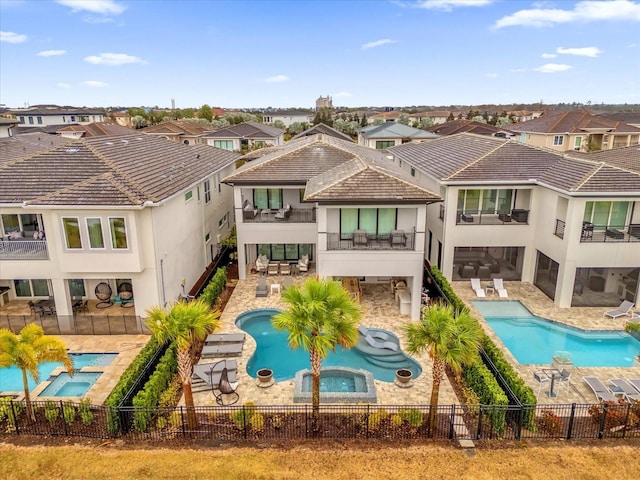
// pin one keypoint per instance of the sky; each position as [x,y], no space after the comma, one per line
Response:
[284,54]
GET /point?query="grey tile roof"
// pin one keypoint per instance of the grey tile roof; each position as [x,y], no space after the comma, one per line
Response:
[98,129]
[459,126]
[395,130]
[120,170]
[22,146]
[472,159]
[246,130]
[177,127]
[322,128]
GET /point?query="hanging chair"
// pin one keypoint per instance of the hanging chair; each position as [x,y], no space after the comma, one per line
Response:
[103,293]
[125,292]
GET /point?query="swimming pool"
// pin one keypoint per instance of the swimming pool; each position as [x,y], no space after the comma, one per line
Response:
[65,385]
[535,340]
[11,378]
[272,351]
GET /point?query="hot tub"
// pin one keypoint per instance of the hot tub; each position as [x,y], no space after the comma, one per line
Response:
[337,385]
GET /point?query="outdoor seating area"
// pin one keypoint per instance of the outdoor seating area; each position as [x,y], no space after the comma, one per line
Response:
[624,309]
[219,345]
[495,287]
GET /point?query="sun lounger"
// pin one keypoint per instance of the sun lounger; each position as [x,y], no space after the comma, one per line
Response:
[629,392]
[222,349]
[387,345]
[635,382]
[224,338]
[499,287]
[477,287]
[209,373]
[600,390]
[624,309]
[364,331]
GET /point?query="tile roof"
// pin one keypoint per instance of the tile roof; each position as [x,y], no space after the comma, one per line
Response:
[326,129]
[395,130]
[44,110]
[246,130]
[178,127]
[98,129]
[573,121]
[122,170]
[22,146]
[472,158]
[459,126]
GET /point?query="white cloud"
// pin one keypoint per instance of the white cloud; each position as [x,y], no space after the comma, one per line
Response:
[63,85]
[378,43]
[585,11]
[341,95]
[448,5]
[491,75]
[553,68]
[102,7]
[277,79]
[632,45]
[51,53]
[592,52]
[94,83]
[548,55]
[12,37]
[113,59]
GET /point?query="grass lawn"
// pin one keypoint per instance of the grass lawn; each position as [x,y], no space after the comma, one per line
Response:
[335,461]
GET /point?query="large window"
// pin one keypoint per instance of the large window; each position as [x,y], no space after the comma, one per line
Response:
[71,227]
[224,144]
[485,201]
[76,287]
[558,140]
[118,233]
[285,252]
[606,213]
[267,198]
[31,288]
[382,144]
[207,191]
[96,238]
[10,223]
[372,220]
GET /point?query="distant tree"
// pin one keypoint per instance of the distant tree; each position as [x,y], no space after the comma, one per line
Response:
[345,126]
[323,116]
[503,121]
[470,115]
[378,121]
[450,118]
[356,118]
[137,112]
[485,115]
[479,118]
[219,123]
[279,124]
[206,112]
[156,116]
[425,122]
[296,127]
[176,114]
[460,116]
[364,122]
[188,113]
[139,121]
[403,119]
[241,117]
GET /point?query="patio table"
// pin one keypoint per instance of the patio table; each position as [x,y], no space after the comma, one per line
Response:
[553,374]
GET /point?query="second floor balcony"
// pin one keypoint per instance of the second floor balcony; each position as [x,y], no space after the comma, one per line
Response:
[517,216]
[23,249]
[361,240]
[281,215]
[609,233]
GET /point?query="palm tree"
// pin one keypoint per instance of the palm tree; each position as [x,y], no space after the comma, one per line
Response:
[186,324]
[27,350]
[320,317]
[451,338]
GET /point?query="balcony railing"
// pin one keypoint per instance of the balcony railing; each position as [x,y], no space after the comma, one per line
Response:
[23,250]
[609,233]
[398,240]
[441,215]
[475,217]
[559,231]
[292,215]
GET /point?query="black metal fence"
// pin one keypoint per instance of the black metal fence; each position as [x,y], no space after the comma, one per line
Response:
[295,422]
[78,324]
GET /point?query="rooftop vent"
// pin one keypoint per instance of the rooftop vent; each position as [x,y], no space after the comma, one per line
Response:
[72,150]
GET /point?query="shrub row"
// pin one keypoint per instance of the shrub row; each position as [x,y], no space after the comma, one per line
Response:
[215,287]
[149,396]
[484,384]
[457,304]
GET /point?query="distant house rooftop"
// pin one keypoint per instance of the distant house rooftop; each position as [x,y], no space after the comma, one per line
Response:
[324,129]
[97,129]
[470,126]
[572,121]
[246,130]
[395,130]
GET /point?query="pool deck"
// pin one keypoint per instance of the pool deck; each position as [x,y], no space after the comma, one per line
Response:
[379,311]
[587,318]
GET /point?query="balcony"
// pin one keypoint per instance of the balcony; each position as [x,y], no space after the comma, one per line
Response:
[291,215]
[517,216]
[591,233]
[23,250]
[360,240]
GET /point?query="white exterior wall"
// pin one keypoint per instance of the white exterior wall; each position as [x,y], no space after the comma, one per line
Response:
[56,119]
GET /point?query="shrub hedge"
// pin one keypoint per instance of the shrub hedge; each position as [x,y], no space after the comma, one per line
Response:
[484,384]
[445,286]
[215,287]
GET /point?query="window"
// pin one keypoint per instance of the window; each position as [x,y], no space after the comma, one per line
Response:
[198,192]
[40,288]
[76,288]
[39,120]
[94,228]
[83,118]
[413,172]
[31,288]
[207,191]
[224,220]
[118,233]
[224,144]
[22,120]
[207,237]
[373,220]
[10,223]
[578,143]
[73,118]
[267,198]
[71,227]
[188,195]
[30,120]
[484,201]
[289,251]
[382,144]
[558,140]
[606,213]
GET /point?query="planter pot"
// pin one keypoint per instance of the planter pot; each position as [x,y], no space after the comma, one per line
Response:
[404,375]
[265,375]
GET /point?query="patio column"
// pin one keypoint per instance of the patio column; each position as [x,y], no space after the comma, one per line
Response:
[64,310]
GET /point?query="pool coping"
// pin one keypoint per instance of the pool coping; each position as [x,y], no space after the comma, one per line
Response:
[370,396]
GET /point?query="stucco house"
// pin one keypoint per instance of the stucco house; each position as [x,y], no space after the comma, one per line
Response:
[182,131]
[244,136]
[47,115]
[390,134]
[287,117]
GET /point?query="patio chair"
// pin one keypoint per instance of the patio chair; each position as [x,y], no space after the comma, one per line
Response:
[262,264]
[600,390]
[624,309]
[541,378]
[285,268]
[224,388]
[273,269]
[303,263]
[125,292]
[635,383]
[103,294]
[499,287]
[398,238]
[381,345]
[360,238]
[477,287]
[261,289]
[364,331]
[628,390]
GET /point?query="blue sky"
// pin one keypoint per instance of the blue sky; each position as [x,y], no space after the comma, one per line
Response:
[287,53]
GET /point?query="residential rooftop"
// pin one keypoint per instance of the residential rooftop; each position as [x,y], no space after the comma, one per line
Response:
[395,130]
[246,130]
[98,129]
[573,121]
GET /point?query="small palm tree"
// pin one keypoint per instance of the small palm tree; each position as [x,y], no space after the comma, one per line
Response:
[320,316]
[27,350]
[452,340]
[186,324]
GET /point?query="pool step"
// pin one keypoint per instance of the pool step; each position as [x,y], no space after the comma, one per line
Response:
[383,362]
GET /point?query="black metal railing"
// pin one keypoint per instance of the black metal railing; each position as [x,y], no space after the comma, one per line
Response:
[478,217]
[291,215]
[79,324]
[366,241]
[609,233]
[559,230]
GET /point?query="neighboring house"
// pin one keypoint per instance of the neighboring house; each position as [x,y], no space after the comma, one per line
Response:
[391,116]
[568,223]
[47,115]
[98,129]
[525,115]
[6,125]
[324,129]
[345,207]
[469,126]
[182,131]
[390,134]
[630,118]
[121,118]
[124,209]
[436,116]
[288,117]
[576,130]
[244,136]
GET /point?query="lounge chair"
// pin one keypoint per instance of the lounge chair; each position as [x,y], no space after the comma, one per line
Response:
[387,345]
[209,373]
[477,287]
[499,287]
[273,269]
[364,331]
[261,289]
[224,388]
[635,382]
[222,349]
[624,309]
[628,390]
[285,268]
[398,238]
[262,263]
[224,338]
[600,390]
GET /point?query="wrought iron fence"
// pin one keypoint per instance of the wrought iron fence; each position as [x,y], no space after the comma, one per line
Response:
[78,324]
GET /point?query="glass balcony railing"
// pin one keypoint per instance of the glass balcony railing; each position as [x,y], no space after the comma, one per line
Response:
[360,240]
[609,233]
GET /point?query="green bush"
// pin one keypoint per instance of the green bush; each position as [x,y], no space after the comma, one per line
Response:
[10,412]
[68,412]
[445,286]
[482,381]
[51,410]
[215,287]
[412,416]
[84,409]
[147,399]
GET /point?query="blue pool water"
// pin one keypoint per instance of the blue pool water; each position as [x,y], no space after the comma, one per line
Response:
[11,378]
[66,386]
[272,351]
[535,340]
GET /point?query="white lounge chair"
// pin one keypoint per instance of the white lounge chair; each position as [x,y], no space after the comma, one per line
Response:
[374,343]
[635,382]
[627,389]
[364,331]
[477,287]
[624,309]
[499,287]
[600,390]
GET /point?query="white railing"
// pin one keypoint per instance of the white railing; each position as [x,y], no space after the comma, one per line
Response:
[23,250]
